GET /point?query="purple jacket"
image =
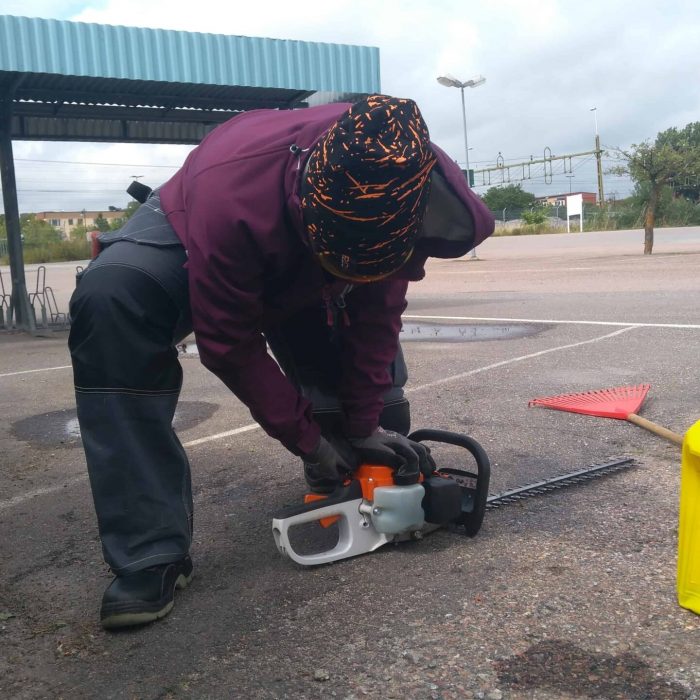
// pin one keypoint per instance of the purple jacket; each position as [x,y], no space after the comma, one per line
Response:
[235,206]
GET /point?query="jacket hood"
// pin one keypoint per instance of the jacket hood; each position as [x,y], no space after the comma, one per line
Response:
[456,220]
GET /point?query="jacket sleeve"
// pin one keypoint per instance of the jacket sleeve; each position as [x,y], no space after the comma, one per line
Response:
[370,343]
[226,283]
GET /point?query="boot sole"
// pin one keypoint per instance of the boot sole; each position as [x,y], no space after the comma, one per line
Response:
[132,619]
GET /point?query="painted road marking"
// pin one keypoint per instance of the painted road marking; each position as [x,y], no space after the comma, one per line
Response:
[29,371]
[522,358]
[218,436]
[23,497]
[552,321]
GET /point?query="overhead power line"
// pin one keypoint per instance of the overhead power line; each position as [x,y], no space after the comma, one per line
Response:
[86,162]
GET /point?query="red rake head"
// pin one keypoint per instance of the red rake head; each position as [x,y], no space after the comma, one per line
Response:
[605,403]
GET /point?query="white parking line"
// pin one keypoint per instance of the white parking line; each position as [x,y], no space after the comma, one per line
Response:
[538,270]
[553,321]
[218,436]
[490,319]
[495,365]
[29,371]
[21,498]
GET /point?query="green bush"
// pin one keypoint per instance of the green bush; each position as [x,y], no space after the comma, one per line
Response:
[681,212]
[534,217]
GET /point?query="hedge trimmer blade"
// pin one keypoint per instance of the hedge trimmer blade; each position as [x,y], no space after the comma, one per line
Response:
[559,482]
[617,402]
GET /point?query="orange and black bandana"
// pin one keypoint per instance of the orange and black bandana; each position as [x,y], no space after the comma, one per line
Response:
[366,187]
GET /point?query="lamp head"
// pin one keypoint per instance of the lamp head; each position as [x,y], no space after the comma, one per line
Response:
[449,81]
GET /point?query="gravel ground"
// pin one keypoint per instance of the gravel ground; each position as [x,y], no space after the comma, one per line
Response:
[571,595]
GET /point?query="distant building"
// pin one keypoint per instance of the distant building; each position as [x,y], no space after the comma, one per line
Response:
[559,200]
[65,221]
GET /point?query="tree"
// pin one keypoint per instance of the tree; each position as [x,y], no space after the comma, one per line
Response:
[79,232]
[688,136]
[508,197]
[101,224]
[127,213]
[673,157]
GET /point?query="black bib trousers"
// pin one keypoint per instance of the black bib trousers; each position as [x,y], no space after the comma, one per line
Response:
[129,309]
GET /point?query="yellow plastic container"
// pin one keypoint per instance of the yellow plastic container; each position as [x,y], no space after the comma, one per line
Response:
[689,525]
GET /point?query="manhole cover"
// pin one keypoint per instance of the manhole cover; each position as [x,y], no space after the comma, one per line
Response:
[438,333]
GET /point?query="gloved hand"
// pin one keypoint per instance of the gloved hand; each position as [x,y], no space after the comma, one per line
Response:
[408,458]
[325,468]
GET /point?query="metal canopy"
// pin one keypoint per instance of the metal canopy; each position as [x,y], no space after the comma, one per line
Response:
[92,82]
[73,81]
[122,111]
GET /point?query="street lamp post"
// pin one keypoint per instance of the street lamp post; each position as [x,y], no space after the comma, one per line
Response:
[449,81]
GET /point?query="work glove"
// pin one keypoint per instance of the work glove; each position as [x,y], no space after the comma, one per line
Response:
[325,468]
[408,458]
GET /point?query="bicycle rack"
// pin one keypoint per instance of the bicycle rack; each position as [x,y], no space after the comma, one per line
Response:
[5,309]
[37,296]
[46,300]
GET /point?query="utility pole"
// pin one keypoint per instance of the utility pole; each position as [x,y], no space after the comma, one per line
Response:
[599,159]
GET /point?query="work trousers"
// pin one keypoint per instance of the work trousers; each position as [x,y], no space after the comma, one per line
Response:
[129,309]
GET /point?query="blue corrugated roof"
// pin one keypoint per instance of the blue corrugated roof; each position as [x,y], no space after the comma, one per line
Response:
[57,47]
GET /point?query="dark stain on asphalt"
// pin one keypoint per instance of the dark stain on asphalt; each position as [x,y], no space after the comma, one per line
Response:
[61,429]
[57,558]
[562,667]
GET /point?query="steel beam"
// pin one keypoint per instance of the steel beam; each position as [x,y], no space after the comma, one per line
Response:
[20,307]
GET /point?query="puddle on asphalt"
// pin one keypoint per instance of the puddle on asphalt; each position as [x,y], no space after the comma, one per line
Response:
[61,429]
[439,333]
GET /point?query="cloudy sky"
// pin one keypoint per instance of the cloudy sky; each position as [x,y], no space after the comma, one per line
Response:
[546,63]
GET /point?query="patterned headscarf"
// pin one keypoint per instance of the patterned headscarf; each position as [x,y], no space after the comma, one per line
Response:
[366,186]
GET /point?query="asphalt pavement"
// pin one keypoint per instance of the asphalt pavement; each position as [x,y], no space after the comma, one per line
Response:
[569,595]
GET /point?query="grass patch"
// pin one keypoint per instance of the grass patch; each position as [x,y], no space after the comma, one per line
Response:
[59,251]
[528,230]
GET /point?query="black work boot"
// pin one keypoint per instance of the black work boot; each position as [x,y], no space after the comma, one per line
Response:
[144,596]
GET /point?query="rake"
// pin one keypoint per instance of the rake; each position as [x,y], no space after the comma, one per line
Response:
[621,402]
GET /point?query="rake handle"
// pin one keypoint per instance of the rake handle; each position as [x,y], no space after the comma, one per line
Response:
[655,428]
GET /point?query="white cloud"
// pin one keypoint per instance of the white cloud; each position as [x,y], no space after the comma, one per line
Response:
[546,63]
